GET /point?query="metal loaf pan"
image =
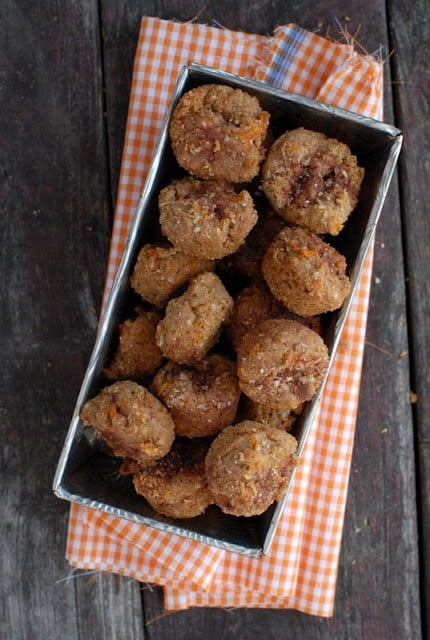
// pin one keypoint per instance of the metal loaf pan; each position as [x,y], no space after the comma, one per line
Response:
[86,472]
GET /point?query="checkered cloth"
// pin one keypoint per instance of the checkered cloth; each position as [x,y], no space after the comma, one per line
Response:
[300,570]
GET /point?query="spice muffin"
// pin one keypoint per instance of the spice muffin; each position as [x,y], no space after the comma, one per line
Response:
[281,363]
[202,399]
[218,132]
[248,467]
[132,421]
[205,218]
[176,484]
[305,273]
[312,180]
[194,320]
[161,271]
[137,355]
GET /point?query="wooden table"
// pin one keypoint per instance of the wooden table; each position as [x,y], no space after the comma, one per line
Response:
[64,78]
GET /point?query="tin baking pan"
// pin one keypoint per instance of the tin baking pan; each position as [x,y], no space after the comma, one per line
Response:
[87,470]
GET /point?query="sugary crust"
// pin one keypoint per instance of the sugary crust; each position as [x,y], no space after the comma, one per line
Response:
[218,132]
[193,321]
[207,219]
[131,420]
[281,363]
[161,271]
[202,399]
[312,180]
[248,467]
[305,273]
[176,485]
[137,355]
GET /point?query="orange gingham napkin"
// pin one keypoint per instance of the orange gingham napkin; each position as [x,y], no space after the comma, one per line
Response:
[301,569]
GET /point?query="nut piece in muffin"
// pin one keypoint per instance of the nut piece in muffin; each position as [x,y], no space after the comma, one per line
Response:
[132,421]
[161,271]
[194,320]
[176,484]
[202,399]
[281,363]
[248,467]
[312,180]
[137,355]
[218,132]
[305,273]
[205,218]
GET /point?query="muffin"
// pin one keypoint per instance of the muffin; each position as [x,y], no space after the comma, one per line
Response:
[132,421]
[305,273]
[176,484]
[202,399]
[312,180]
[281,363]
[193,321]
[248,467]
[206,219]
[218,132]
[137,356]
[161,271]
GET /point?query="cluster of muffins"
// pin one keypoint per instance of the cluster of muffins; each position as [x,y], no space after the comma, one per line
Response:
[209,375]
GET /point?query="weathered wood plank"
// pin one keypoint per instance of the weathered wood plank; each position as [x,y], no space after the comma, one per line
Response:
[54,231]
[410,40]
[377,589]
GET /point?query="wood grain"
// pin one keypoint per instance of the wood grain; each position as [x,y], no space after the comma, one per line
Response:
[54,231]
[410,40]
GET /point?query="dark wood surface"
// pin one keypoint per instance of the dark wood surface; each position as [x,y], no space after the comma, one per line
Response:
[65,76]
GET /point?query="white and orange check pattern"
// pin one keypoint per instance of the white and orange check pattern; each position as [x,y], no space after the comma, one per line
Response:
[301,569]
